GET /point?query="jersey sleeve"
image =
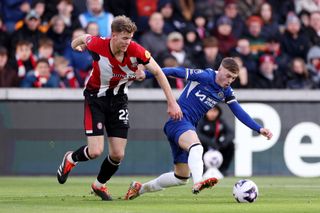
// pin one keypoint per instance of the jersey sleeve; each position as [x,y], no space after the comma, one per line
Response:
[199,75]
[177,72]
[96,44]
[230,97]
[143,55]
[244,117]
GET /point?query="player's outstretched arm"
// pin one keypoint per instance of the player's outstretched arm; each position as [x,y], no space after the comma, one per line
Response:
[173,108]
[247,120]
[177,72]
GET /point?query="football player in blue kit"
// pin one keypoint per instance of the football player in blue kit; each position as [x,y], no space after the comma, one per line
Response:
[205,88]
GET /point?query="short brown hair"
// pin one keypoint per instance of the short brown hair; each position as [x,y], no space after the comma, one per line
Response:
[231,65]
[45,42]
[210,42]
[123,24]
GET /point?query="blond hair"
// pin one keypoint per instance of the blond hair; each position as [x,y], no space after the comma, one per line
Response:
[123,24]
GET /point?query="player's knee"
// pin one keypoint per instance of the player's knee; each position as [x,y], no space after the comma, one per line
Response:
[117,156]
[94,153]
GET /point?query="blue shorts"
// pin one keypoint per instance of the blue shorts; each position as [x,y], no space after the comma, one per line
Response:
[173,130]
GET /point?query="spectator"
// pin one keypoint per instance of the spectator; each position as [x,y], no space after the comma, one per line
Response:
[193,44]
[80,61]
[282,59]
[29,31]
[13,11]
[39,7]
[224,35]
[41,76]
[8,76]
[176,48]
[294,42]
[209,9]
[216,134]
[281,9]
[171,61]
[200,23]
[231,11]
[304,17]
[313,31]
[4,36]
[183,11]
[243,78]
[270,27]
[268,76]
[211,56]
[299,76]
[65,72]
[46,51]
[66,12]
[167,12]
[307,5]
[243,51]
[155,39]
[92,29]
[58,34]
[141,12]
[314,64]
[96,13]
[25,61]
[256,39]
[248,8]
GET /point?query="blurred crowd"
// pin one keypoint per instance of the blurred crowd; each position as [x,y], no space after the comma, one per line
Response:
[276,43]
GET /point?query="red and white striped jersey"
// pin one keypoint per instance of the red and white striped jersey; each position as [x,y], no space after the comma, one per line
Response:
[108,72]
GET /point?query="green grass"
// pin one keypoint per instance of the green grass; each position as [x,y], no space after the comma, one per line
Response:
[45,195]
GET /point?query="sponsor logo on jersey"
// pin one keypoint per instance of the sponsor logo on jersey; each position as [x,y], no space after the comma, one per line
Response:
[129,76]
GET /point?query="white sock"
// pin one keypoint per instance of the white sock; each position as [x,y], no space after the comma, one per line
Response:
[195,163]
[69,158]
[98,184]
[163,181]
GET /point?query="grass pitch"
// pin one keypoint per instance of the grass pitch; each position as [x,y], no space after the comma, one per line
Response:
[44,194]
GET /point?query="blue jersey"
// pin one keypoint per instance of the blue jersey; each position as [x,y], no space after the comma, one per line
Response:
[201,94]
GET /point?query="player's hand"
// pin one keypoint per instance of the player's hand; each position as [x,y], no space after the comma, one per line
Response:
[140,74]
[174,111]
[266,132]
[81,48]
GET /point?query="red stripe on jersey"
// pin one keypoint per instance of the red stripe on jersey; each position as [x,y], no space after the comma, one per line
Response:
[108,72]
[87,118]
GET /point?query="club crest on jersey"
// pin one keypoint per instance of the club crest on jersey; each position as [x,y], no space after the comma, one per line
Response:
[99,125]
[195,71]
[220,94]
